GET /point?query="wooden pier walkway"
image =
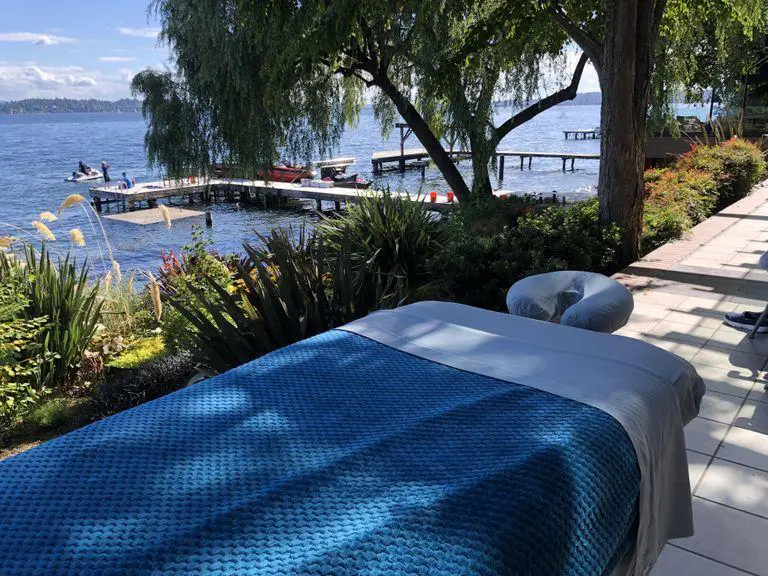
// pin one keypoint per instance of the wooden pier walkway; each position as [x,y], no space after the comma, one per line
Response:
[524,155]
[593,134]
[240,190]
[415,157]
[408,154]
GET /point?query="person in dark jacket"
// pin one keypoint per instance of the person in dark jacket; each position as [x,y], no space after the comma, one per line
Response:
[105,171]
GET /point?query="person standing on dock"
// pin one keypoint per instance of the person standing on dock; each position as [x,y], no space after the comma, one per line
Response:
[105,171]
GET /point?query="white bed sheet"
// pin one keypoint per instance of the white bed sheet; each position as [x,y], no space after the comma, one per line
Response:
[650,392]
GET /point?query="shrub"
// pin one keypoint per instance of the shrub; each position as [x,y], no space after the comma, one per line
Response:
[389,236]
[736,165]
[701,182]
[292,288]
[51,414]
[21,354]
[125,389]
[125,311]
[567,238]
[478,269]
[139,352]
[663,223]
[59,293]
[179,276]
[675,200]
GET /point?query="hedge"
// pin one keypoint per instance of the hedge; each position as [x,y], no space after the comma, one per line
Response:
[699,184]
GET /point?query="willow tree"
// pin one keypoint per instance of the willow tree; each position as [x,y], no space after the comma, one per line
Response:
[623,40]
[259,79]
[709,46]
[620,39]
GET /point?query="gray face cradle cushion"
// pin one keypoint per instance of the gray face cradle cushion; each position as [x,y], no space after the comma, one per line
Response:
[581,299]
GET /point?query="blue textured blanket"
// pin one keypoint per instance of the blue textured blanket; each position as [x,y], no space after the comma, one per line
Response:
[335,456]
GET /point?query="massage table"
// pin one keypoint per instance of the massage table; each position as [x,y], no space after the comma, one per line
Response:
[431,439]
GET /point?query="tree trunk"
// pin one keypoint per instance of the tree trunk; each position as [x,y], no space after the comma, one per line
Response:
[622,155]
[482,149]
[625,84]
[424,133]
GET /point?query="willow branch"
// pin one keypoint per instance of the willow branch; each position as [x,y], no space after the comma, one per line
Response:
[590,45]
[658,14]
[567,93]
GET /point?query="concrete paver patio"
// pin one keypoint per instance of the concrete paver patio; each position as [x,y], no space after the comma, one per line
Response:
[682,290]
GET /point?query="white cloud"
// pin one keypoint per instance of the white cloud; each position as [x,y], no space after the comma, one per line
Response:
[49,80]
[19,80]
[140,32]
[116,59]
[29,81]
[32,38]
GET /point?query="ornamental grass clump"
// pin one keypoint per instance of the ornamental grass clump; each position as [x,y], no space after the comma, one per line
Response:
[389,235]
[291,287]
[59,292]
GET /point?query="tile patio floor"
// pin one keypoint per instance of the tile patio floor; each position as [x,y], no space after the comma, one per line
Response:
[681,292]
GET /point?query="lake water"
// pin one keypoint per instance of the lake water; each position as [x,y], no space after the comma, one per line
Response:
[38,152]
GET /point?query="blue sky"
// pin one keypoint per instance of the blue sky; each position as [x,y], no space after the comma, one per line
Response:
[92,49]
[75,48]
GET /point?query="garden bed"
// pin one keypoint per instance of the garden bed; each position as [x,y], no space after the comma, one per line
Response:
[112,347]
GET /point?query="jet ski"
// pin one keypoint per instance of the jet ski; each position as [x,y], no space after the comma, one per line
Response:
[93,174]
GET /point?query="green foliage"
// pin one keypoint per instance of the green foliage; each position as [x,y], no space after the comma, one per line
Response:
[51,414]
[290,289]
[736,165]
[700,183]
[139,352]
[179,276]
[60,293]
[131,387]
[662,224]
[478,269]
[710,44]
[390,236]
[249,88]
[567,238]
[124,311]
[21,354]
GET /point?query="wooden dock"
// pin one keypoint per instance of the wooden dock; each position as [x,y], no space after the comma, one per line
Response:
[241,190]
[593,134]
[524,155]
[407,158]
[418,154]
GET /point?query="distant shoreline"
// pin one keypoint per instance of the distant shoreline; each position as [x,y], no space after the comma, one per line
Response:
[40,106]
[60,112]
